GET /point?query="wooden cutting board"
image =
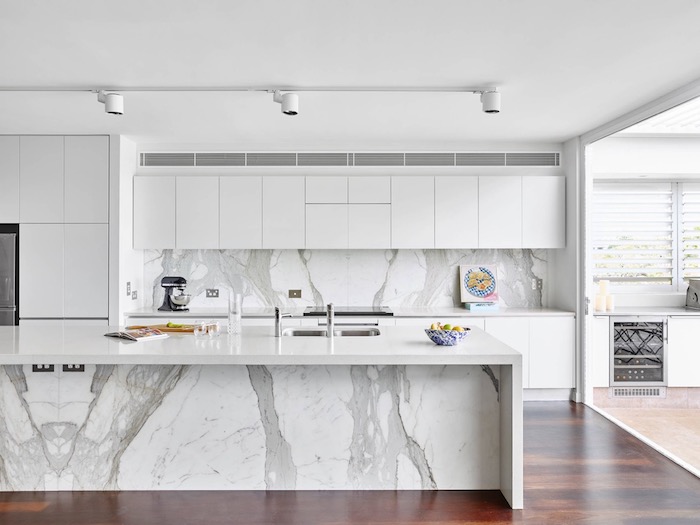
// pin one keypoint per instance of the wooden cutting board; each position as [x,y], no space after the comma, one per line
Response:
[185,329]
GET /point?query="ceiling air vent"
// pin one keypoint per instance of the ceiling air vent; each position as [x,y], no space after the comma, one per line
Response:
[532,159]
[167,159]
[322,159]
[271,159]
[430,159]
[379,159]
[481,159]
[220,159]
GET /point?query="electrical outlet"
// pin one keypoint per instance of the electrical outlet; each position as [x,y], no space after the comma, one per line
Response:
[42,368]
[128,288]
[533,283]
[536,283]
[212,292]
[134,295]
[295,294]
[74,368]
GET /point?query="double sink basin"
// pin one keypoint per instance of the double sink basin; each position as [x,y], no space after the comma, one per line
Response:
[338,332]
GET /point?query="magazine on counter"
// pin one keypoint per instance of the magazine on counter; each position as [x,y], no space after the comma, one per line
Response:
[139,334]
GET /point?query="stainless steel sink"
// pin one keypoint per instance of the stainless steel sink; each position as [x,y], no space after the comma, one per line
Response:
[338,332]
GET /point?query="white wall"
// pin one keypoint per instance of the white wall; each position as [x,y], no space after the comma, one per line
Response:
[665,156]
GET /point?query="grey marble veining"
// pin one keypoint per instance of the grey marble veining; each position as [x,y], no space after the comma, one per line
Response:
[135,427]
[352,277]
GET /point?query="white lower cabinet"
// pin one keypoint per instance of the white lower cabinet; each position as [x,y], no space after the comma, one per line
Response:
[515,332]
[598,354]
[683,352]
[552,352]
[64,271]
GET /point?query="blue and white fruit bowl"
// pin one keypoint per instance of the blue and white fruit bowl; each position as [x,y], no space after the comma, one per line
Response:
[446,337]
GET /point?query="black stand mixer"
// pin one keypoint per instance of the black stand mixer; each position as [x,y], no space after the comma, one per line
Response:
[175,299]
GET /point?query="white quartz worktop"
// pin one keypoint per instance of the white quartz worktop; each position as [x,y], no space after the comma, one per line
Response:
[256,345]
[432,311]
[649,310]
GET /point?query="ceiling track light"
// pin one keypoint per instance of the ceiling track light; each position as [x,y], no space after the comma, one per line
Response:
[114,102]
[289,101]
[491,101]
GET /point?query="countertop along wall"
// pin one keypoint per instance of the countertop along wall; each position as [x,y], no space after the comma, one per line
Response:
[395,278]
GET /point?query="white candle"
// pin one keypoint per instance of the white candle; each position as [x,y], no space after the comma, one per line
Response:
[600,303]
[603,287]
[609,303]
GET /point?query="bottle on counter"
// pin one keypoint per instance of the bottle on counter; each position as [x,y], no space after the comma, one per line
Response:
[235,312]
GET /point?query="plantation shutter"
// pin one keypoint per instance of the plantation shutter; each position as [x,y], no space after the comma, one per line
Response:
[690,230]
[632,233]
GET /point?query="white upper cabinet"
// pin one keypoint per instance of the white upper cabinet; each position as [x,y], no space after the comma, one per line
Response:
[369,190]
[544,219]
[41,270]
[283,212]
[240,212]
[41,179]
[326,190]
[154,212]
[9,179]
[86,176]
[197,212]
[369,226]
[500,212]
[457,212]
[327,226]
[413,212]
[86,283]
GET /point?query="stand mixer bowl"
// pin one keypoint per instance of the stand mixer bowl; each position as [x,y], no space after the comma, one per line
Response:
[181,300]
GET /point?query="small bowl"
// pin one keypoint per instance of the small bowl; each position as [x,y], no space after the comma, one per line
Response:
[181,300]
[446,337]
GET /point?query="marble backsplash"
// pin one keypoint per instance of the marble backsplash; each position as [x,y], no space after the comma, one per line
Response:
[350,278]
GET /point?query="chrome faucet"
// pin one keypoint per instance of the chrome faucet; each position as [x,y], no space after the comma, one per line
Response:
[278,321]
[330,320]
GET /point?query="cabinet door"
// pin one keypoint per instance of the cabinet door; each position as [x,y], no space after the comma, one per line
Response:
[598,362]
[457,212]
[500,212]
[86,194]
[9,179]
[154,212]
[41,270]
[369,190]
[683,352]
[369,226]
[544,214]
[41,179]
[283,212]
[86,279]
[326,190]
[327,226]
[412,212]
[197,213]
[552,352]
[240,212]
[515,332]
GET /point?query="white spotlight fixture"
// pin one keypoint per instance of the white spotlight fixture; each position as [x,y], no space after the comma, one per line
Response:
[114,102]
[491,101]
[289,101]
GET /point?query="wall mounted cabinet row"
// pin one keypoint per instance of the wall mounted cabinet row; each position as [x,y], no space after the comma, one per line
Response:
[54,179]
[288,212]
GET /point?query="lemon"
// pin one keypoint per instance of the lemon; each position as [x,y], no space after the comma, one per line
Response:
[435,326]
[457,329]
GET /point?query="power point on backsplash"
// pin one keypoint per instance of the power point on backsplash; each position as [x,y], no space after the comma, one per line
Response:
[212,292]
[536,283]
[134,295]
[295,294]
[128,288]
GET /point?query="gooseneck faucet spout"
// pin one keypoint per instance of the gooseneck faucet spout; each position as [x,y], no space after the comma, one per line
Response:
[330,320]
[278,321]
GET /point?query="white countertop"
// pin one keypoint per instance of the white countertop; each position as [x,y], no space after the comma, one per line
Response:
[650,310]
[432,311]
[255,346]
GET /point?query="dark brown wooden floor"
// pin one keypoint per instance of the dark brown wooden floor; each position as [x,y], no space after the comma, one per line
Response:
[579,468]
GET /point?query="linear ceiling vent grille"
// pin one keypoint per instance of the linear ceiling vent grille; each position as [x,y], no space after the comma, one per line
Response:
[481,159]
[430,159]
[167,159]
[220,159]
[379,159]
[271,159]
[532,159]
[322,159]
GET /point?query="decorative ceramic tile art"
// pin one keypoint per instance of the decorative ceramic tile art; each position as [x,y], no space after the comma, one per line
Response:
[478,283]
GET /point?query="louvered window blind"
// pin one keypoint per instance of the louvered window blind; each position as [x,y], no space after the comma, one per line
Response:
[633,241]
[690,229]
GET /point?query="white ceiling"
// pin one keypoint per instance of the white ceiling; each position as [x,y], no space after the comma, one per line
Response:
[564,68]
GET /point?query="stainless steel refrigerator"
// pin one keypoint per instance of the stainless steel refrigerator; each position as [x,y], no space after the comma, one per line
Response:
[8,276]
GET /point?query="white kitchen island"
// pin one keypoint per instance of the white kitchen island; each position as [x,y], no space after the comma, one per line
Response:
[254,411]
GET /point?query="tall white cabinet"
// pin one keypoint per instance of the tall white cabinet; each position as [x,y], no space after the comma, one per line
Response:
[9,179]
[41,179]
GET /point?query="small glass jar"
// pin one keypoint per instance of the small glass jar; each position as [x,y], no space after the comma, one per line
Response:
[235,312]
